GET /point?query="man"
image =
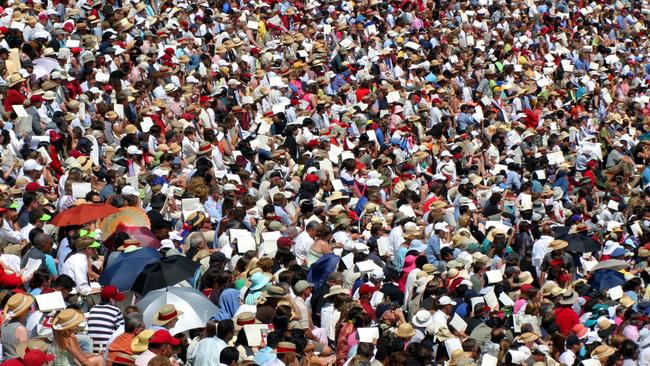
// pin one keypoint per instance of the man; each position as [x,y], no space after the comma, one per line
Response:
[442,315]
[121,343]
[160,344]
[104,318]
[540,247]
[318,296]
[556,252]
[208,350]
[166,317]
[568,357]
[304,241]
[441,231]
[41,244]
[303,290]
[286,352]
[75,264]
[8,233]
[229,357]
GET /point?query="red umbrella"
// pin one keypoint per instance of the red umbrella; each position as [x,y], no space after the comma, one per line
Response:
[83,214]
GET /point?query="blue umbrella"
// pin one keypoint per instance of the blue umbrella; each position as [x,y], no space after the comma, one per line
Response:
[322,268]
[604,279]
[126,268]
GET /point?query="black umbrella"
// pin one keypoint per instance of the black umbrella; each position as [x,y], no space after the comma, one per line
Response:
[582,244]
[167,272]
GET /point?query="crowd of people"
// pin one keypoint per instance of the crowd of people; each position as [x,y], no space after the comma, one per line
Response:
[343,183]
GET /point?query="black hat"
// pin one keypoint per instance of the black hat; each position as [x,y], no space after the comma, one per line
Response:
[218,257]
[572,340]
[158,201]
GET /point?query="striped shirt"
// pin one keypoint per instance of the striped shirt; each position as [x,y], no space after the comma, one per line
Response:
[103,320]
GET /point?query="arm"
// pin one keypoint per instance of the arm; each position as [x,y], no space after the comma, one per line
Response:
[72,346]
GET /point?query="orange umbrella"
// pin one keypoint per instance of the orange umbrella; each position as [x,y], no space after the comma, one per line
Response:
[83,214]
[125,216]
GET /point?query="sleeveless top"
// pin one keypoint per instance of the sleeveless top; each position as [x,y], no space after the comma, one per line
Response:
[63,357]
[312,256]
[9,340]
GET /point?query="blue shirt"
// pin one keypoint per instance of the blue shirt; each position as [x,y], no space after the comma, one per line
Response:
[513,181]
[433,249]
[208,351]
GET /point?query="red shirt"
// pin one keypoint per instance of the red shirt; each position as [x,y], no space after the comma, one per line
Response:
[13,362]
[9,280]
[566,318]
[13,97]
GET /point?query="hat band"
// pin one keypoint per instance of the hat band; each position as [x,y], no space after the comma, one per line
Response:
[246,322]
[60,326]
[169,316]
[13,312]
[205,148]
[285,349]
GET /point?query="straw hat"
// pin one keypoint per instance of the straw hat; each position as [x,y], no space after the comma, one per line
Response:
[14,79]
[558,244]
[405,330]
[17,305]
[528,337]
[31,345]
[166,314]
[67,319]
[524,278]
[336,290]
[605,328]
[140,343]
[569,297]
[602,351]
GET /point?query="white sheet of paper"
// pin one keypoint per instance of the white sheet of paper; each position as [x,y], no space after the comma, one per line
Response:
[20,111]
[119,109]
[412,45]
[636,228]
[555,158]
[270,242]
[367,266]
[254,334]
[190,205]
[407,210]
[613,205]
[477,300]
[489,360]
[540,174]
[494,276]
[615,293]
[347,155]
[383,246]
[368,335]
[327,29]
[252,25]
[491,300]
[49,302]
[79,190]
[506,300]
[458,323]
[348,260]
[72,43]
[453,344]
[41,150]
[31,266]
[594,147]
[499,168]
[392,97]
[146,124]
[244,238]
[612,225]
[526,199]
[334,153]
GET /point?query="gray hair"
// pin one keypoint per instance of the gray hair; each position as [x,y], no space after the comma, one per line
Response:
[132,322]
[40,241]
[196,239]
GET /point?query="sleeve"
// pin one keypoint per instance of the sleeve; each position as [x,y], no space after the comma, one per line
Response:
[81,276]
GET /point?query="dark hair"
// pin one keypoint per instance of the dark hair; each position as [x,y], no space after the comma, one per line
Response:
[228,355]
[225,328]
[64,281]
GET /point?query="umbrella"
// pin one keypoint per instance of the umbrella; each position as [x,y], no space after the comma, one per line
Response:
[168,272]
[126,268]
[322,268]
[605,279]
[140,233]
[582,244]
[126,216]
[561,232]
[83,214]
[196,307]
[613,264]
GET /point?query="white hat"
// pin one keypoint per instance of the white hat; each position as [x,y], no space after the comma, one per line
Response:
[166,243]
[446,153]
[133,150]
[377,274]
[446,300]
[31,165]
[130,190]
[229,187]
[373,182]
[441,226]
[422,318]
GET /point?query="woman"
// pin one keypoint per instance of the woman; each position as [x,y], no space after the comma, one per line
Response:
[66,347]
[210,330]
[228,304]
[348,315]
[321,245]
[13,329]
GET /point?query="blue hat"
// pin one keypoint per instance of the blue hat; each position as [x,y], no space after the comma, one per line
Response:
[264,355]
[418,245]
[618,252]
[258,281]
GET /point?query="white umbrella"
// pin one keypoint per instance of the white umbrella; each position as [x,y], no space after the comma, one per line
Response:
[44,66]
[196,307]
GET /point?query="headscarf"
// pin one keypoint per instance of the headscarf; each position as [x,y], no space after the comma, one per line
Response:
[409,265]
[228,304]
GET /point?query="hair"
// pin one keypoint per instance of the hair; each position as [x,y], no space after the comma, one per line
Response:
[210,330]
[39,279]
[64,281]
[133,321]
[229,355]
[160,361]
[40,241]
[224,328]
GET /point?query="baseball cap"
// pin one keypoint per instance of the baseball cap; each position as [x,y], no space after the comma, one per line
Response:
[33,187]
[111,292]
[301,286]
[37,358]
[163,336]
[446,300]
[441,226]
[31,165]
[133,150]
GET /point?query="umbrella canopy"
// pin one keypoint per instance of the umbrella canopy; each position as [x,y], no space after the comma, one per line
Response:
[140,233]
[613,264]
[321,269]
[126,268]
[83,214]
[582,244]
[196,307]
[605,279]
[124,217]
[168,272]
[560,232]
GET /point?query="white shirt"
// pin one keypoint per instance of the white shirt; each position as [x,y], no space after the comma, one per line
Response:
[24,232]
[8,234]
[301,248]
[540,249]
[439,320]
[77,268]
[567,358]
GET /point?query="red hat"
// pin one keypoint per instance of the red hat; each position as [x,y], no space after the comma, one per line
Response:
[111,292]
[580,331]
[36,98]
[313,144]
[163,336]
[36,358]
[68,27]
[592,163]
[285,242]
[54,136]
[4,30]
[526,287]
[366,289]
[204,99]
[311,178]
[187,116]
[33,187]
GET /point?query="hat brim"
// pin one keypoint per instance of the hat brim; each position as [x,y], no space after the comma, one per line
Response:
[604,333]
[163,322]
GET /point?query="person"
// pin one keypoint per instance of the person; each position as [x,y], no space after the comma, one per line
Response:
[209,349]
[122,344]
[229,357]
[166,317]
[76,266]
[13,328]
[160,344]
[67,350]
[104,318]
